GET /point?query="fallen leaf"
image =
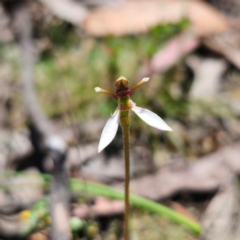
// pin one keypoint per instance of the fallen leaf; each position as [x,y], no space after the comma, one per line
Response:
[37,236]
[68,10]
[227,44]
[204,175]
[170,54]
[133,17]
[112,167]
[102,207]
[221,220]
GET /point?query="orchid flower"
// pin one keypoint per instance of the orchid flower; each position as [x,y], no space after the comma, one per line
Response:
[122,95]
[121,115]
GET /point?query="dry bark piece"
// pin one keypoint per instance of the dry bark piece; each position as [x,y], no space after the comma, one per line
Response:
[133,17]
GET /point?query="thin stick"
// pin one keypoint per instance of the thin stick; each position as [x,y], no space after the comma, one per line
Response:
[125,130]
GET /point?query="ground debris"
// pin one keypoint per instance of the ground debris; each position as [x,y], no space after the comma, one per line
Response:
[204,175]
[221,220]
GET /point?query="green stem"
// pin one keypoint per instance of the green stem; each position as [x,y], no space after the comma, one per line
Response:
[125,130]
[77,186]
[159,209]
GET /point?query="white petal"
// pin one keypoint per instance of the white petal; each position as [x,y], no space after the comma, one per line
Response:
[151,118]
[97,89]
[109,131]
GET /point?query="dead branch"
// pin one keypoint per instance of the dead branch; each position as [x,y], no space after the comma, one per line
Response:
[43,136]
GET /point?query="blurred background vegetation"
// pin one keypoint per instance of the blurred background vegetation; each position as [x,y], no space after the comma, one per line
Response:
[70,63]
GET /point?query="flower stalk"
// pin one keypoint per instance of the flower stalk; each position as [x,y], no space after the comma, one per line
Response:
[122,116]
[125,124]
[126,145]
